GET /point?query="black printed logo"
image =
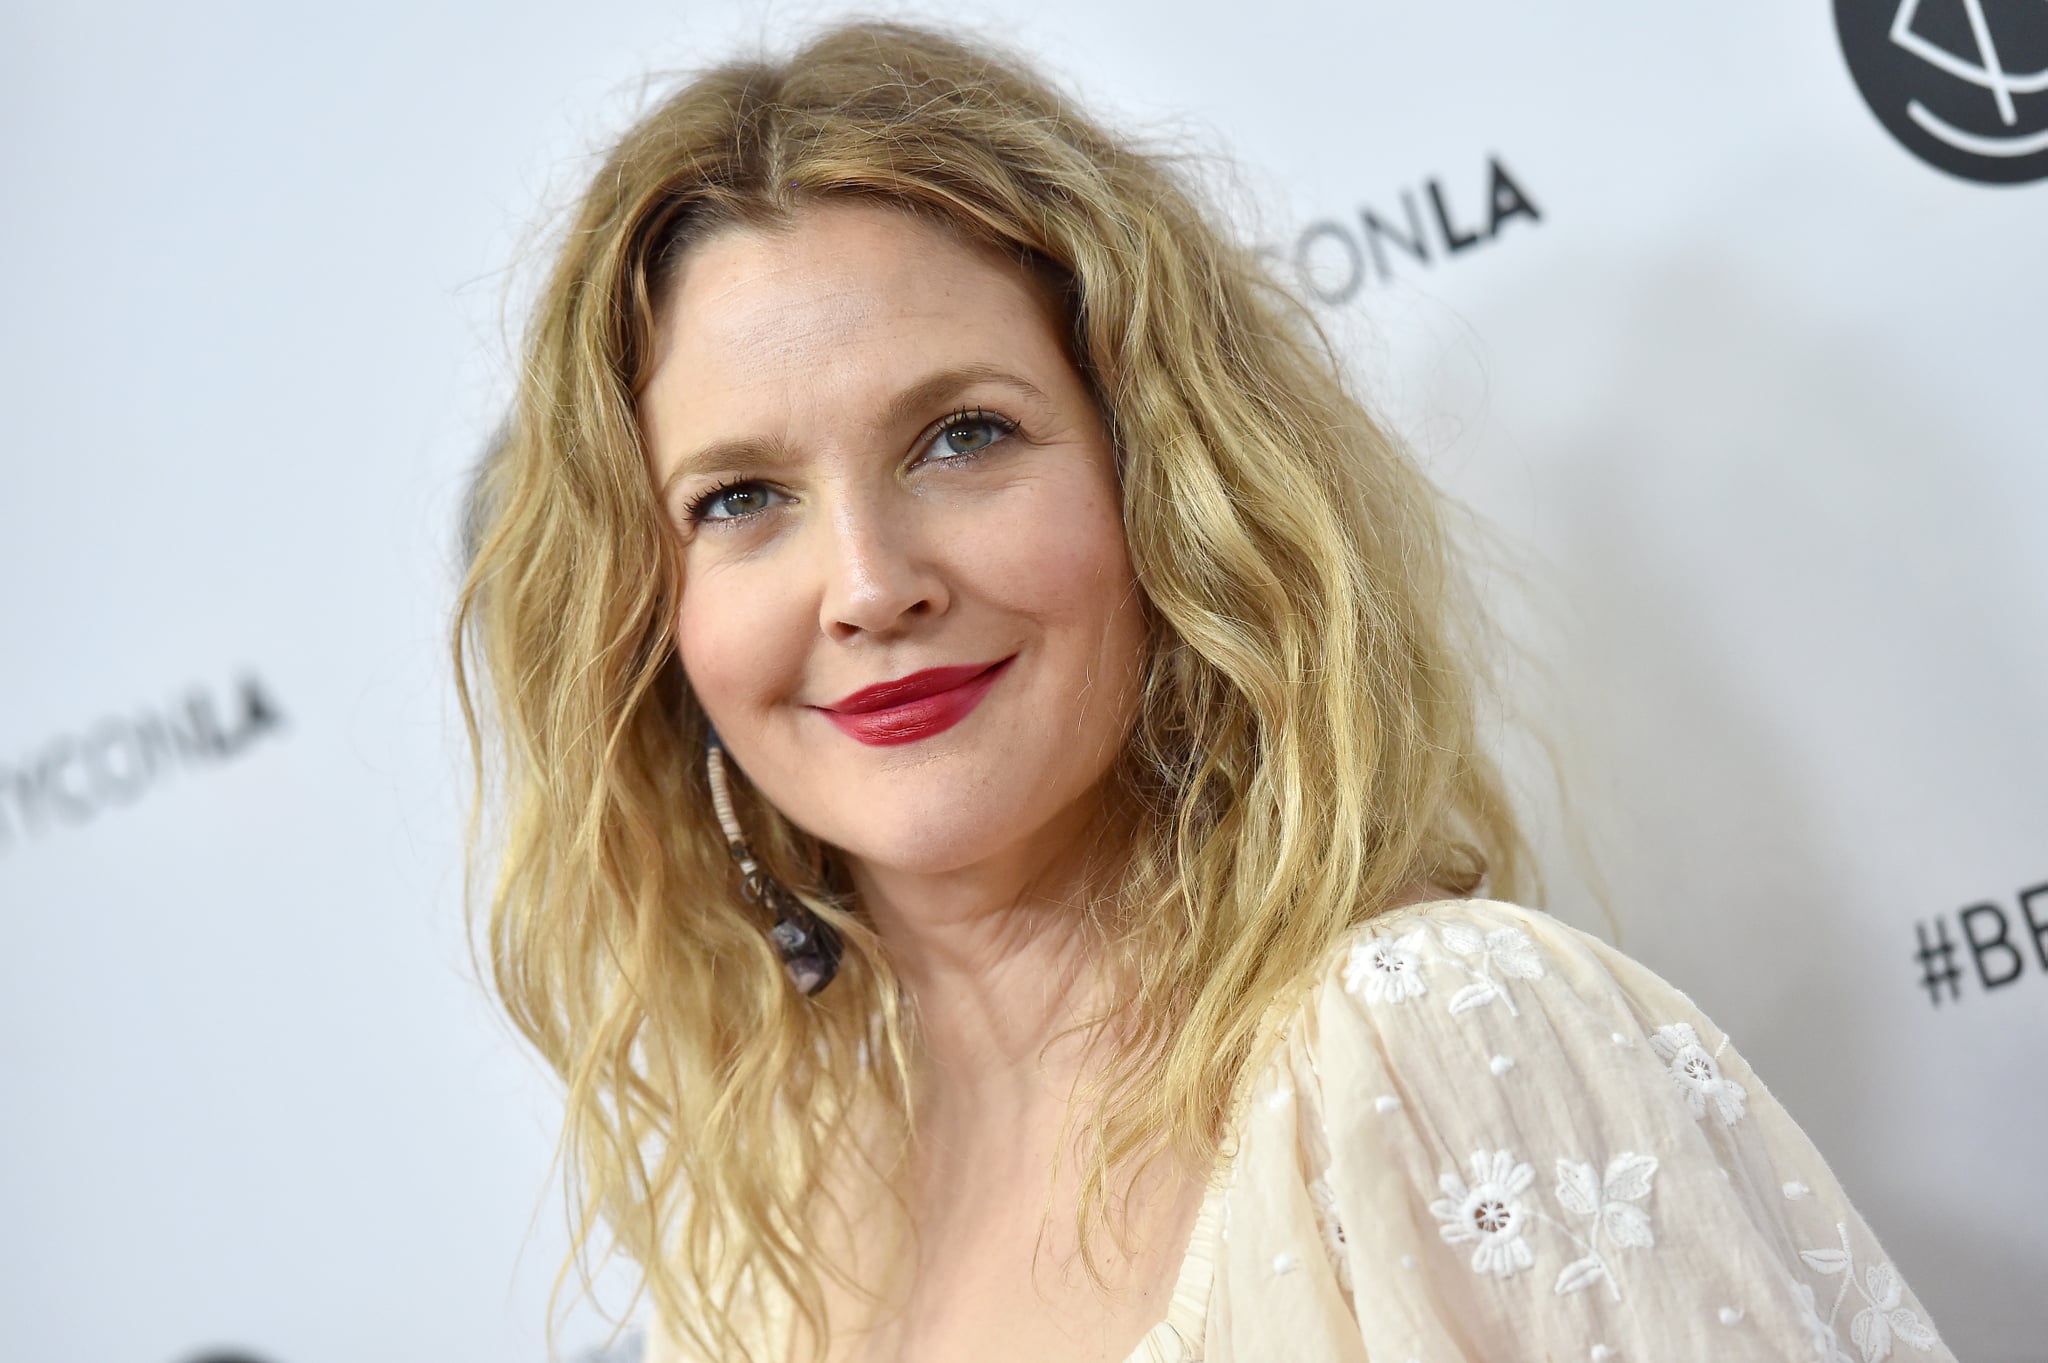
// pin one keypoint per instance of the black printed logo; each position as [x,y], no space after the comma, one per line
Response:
[1998,938]
[1333,259]
[1962,84]
[72,778]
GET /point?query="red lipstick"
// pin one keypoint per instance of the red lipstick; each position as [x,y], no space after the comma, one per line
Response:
[914,707]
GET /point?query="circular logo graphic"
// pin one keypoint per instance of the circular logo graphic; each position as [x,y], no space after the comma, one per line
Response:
[1962,84]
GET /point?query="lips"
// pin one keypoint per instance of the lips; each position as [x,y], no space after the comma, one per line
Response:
[914,707]
[916,686]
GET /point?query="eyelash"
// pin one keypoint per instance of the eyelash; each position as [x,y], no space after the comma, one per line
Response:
[965,418]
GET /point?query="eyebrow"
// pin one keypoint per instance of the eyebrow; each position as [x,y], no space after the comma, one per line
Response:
[908,405]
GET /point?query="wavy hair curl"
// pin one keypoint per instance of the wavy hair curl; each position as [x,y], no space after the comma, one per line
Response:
[1306,746]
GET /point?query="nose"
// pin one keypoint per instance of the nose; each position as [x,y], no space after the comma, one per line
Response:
[879,575]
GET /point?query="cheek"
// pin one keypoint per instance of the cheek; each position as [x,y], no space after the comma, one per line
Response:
[728,647]
[1062,561]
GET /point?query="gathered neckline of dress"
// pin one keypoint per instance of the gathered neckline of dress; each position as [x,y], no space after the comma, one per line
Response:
[1177,1338]
[1180,1337]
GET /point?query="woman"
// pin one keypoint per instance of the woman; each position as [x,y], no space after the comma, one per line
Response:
[995,807]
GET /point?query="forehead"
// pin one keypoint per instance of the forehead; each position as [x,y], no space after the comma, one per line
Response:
[833,314]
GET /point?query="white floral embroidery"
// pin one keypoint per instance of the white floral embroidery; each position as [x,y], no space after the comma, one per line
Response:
[1697,1075]
[1821,1337]
[1510,951]
[1490,1212]
[1325,1198]
[1882,1318]
[1387,969]
[1609,1203]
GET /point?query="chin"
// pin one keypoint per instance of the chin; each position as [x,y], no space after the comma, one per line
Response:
[928,854]
[934,837]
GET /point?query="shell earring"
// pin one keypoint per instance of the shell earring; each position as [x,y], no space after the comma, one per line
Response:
[809,948]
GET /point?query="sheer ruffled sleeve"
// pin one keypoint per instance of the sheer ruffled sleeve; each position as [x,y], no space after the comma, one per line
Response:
[1514,1142]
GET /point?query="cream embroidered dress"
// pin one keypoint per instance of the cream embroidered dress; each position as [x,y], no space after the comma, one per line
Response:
[1482,1136]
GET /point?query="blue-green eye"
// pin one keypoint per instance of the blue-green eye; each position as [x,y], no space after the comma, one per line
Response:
[969,433]
[730,502]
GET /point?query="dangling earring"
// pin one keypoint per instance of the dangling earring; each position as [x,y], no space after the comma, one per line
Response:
[809,947]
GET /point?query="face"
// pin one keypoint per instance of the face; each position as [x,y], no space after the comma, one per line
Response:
[888,474]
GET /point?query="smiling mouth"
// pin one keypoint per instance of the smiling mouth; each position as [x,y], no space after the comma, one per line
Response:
[915,707]
[916,686]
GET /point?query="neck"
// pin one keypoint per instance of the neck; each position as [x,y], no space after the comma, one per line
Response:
[997,959]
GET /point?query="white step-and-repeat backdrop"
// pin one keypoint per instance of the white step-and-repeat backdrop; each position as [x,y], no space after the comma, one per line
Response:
[1728,319]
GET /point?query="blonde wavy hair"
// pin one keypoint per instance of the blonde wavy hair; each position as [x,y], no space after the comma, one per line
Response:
[1305,748]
